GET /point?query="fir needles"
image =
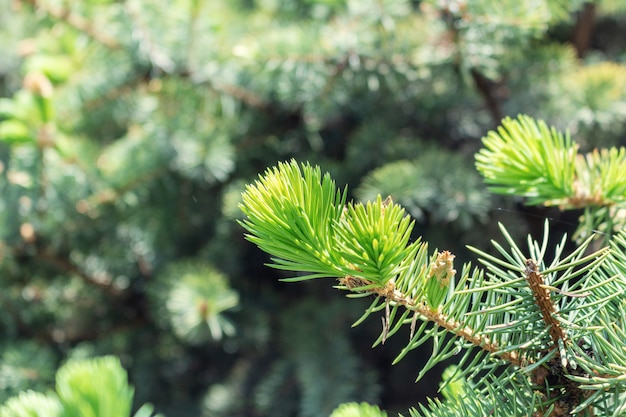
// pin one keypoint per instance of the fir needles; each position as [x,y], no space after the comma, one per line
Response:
[533,323]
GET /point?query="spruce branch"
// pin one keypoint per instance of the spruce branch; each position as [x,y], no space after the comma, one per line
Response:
[84,387]
[290,212]
[525,157]
[538,322]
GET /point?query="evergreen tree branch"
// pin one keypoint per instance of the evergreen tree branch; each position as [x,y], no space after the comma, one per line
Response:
[113,193]
[285,72]
[391,295]
[527,158]
[245,96]
[518,315]
[67,267]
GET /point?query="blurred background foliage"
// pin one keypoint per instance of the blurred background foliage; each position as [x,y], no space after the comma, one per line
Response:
[127,131]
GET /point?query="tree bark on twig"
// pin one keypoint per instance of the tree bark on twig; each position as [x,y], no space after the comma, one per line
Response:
[583,31]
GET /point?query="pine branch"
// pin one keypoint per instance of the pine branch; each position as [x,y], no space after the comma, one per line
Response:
[391,295]
[527,158]
[515,314]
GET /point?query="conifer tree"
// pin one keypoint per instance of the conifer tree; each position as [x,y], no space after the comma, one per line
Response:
[129,129]
[537,331]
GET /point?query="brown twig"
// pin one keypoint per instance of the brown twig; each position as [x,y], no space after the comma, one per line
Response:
[442,320]
[245,96]
[76,21]
[558,368]
[544,302]
[68,267]
[583,31]
[110,195]
[488,91]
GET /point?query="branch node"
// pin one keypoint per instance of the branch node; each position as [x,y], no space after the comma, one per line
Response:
[542,298]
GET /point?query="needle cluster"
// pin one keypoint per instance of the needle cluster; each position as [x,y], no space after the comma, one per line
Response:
[533,329]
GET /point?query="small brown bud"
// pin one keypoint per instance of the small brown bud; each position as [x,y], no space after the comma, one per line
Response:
[442,268]
[27,231]
[37,83]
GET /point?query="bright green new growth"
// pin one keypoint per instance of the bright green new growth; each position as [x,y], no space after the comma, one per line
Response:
[95,387]
[451,387]
[373,240]
[302,219]
[291,215]
[536,329]
[80,386]
[525,157]
[358,410]
[31,404]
